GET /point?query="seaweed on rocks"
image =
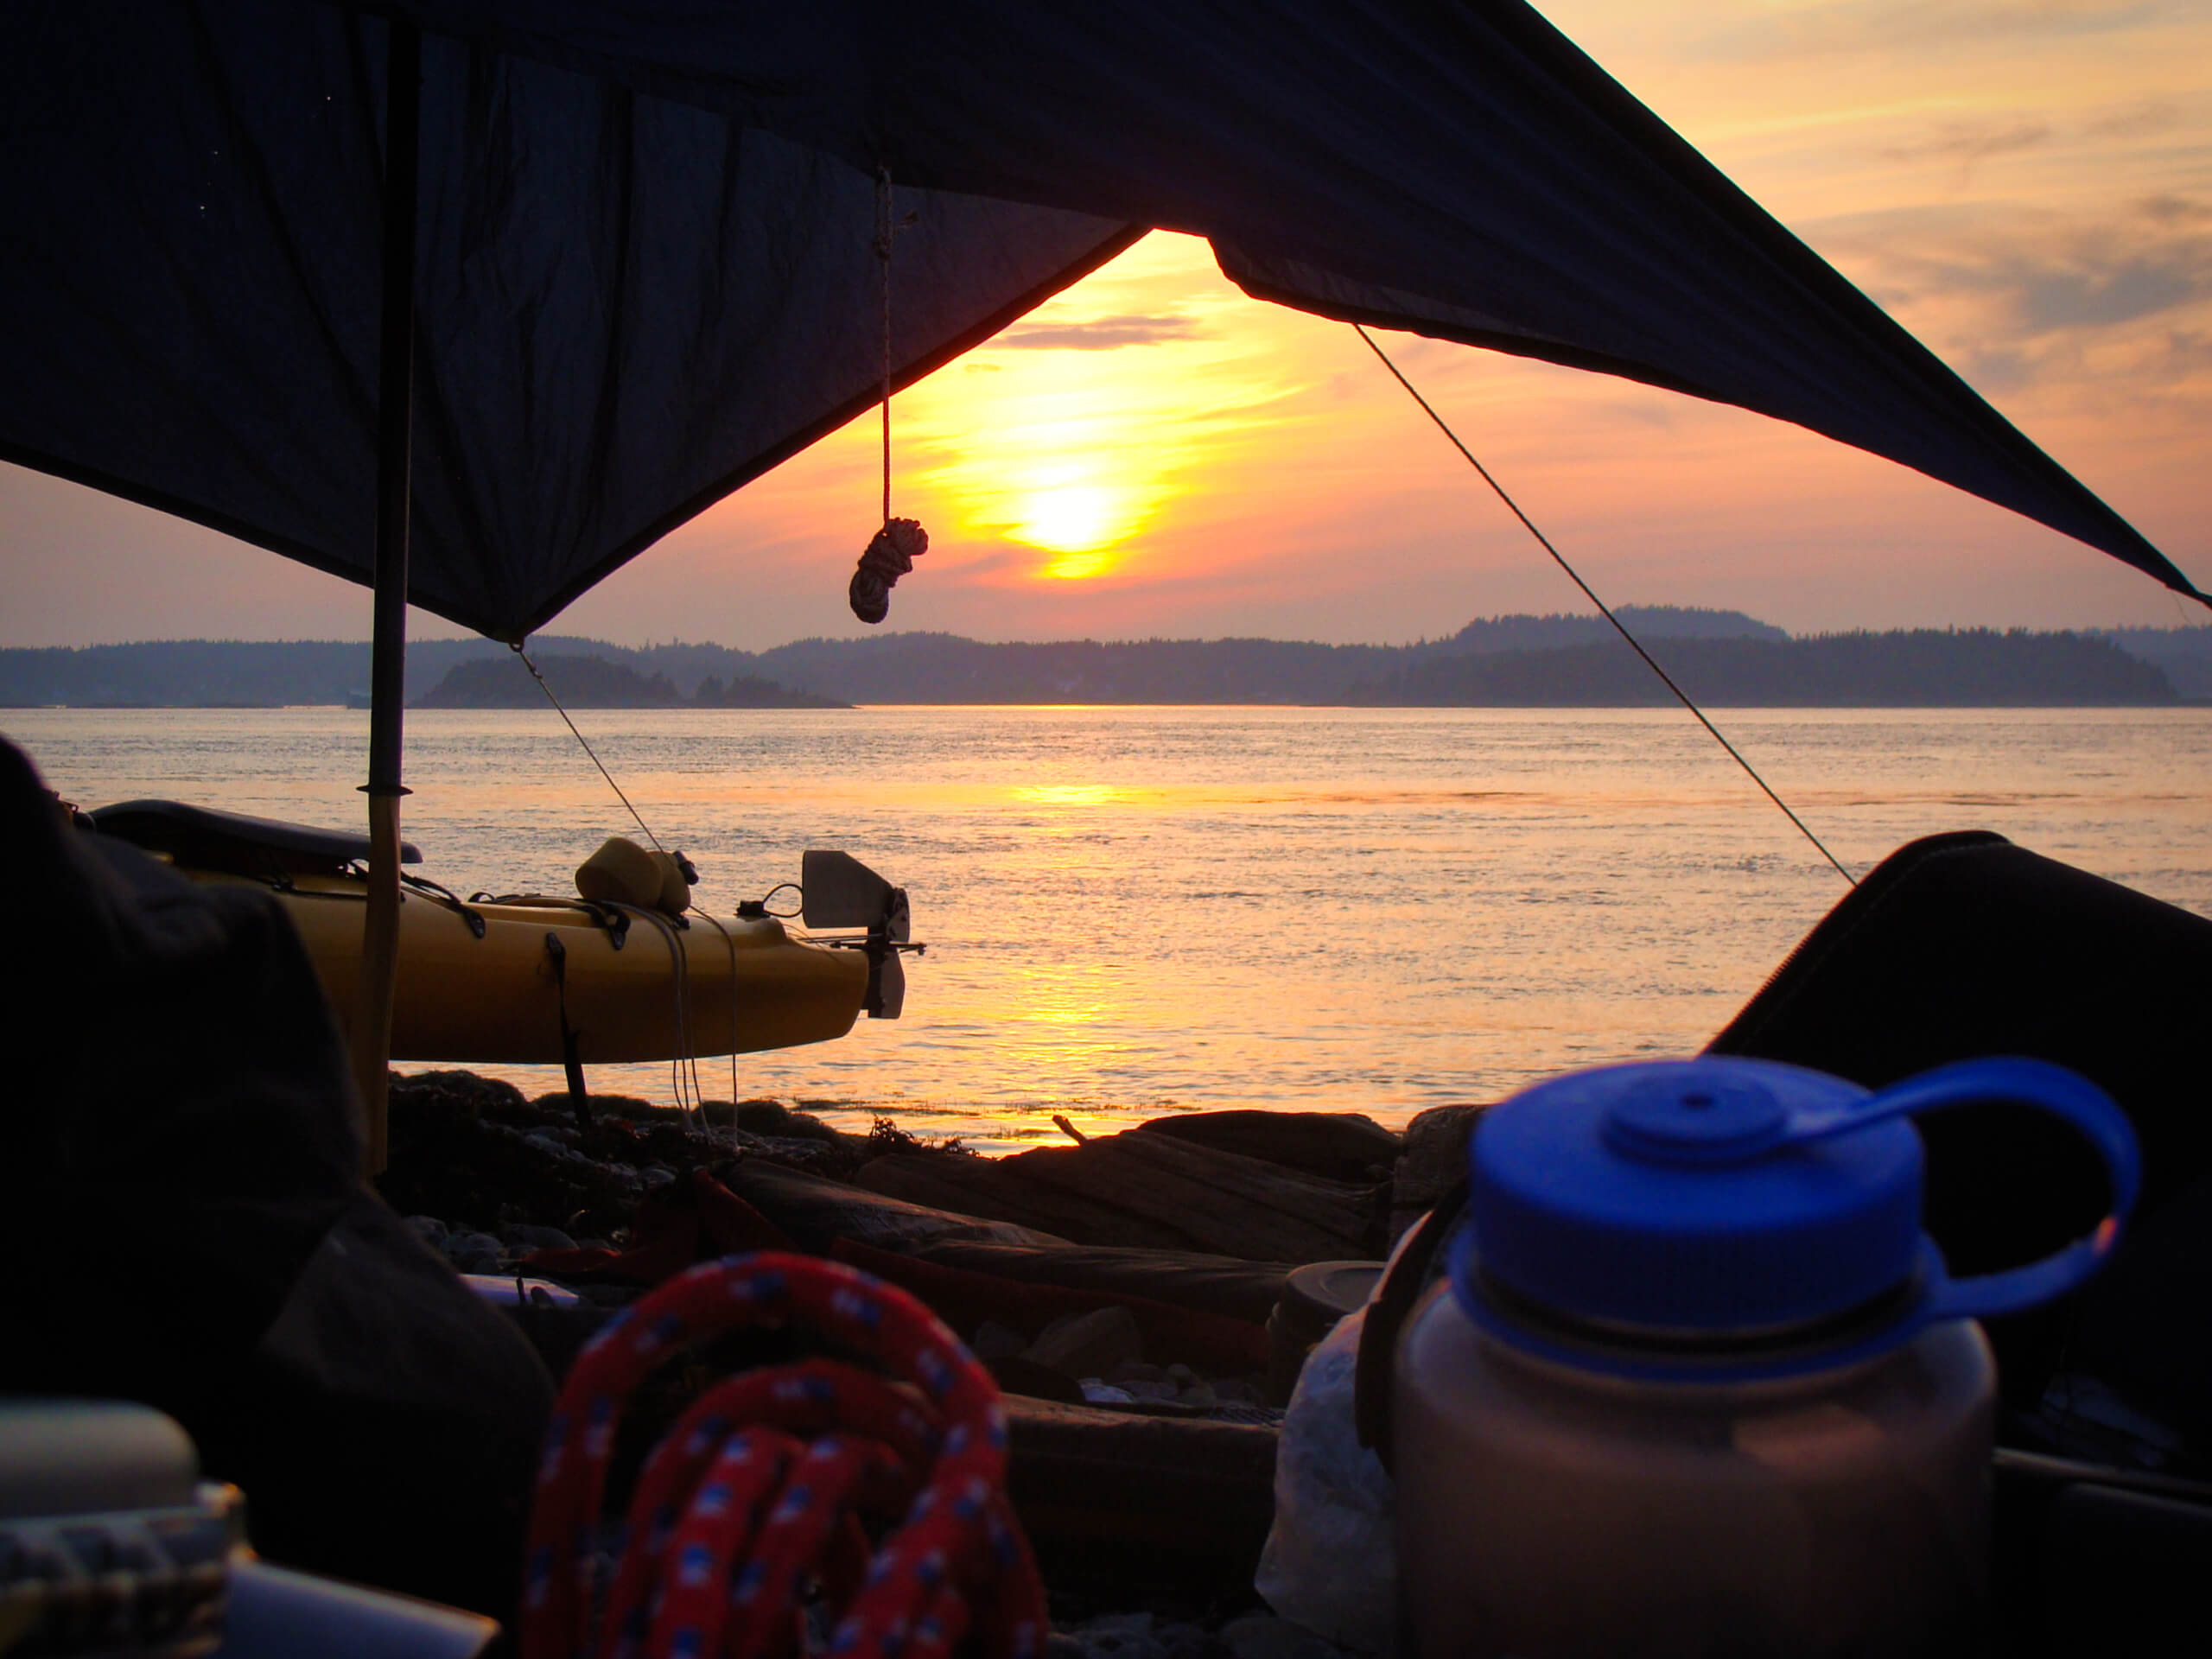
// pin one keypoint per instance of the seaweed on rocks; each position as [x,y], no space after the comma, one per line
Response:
[885,1138]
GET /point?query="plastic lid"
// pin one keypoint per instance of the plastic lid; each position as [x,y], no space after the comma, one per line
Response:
[1669,1196]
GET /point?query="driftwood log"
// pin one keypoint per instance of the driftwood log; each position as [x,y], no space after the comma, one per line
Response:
[1082,1475]
[1343,1146]
[1152,1191]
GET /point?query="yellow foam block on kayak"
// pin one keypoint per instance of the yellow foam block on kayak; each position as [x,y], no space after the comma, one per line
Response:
[752,985]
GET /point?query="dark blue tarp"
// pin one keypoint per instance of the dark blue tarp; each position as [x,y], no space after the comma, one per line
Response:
[645,275]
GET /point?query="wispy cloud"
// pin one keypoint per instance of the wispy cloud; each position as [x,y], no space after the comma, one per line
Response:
[2092,281]
[2138,122]
[2175,210]
[1890,26]
[2032,275]
[1967,142]
[1102,335]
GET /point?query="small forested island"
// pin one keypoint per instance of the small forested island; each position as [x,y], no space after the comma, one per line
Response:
[592,681]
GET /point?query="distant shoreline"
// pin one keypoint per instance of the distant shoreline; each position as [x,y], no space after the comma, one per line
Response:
[2178,702]
[1723,658]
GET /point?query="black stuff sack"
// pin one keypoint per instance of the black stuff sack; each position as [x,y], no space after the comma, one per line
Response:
[1961,945]
[181,1203]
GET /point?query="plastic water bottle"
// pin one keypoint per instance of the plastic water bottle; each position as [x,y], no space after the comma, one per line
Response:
[1698,1383]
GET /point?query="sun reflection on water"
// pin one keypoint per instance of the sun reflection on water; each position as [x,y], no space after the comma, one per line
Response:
[1074,795]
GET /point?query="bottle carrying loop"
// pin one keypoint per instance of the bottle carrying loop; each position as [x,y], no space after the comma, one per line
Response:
[1720,1120]
[2011,1082]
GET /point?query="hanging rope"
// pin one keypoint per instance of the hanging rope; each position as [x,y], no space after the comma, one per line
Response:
[758,1492]
[516,647]
[886,234]
[900,542]
[1604,610]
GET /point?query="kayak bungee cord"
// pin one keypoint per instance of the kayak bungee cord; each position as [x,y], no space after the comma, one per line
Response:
[757,1493]
[1604,610]
[680,976]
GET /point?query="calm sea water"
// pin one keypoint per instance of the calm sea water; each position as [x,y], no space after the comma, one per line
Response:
[1138,910]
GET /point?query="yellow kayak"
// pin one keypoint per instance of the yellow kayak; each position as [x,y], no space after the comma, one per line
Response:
[530,980]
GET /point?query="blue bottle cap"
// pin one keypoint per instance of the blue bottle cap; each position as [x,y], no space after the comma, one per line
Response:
[1691,1200]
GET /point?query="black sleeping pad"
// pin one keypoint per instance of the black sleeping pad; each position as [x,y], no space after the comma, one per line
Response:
[206,839]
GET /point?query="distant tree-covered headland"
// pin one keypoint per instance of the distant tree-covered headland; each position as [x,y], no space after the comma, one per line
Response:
[1921,668]
[1720,657]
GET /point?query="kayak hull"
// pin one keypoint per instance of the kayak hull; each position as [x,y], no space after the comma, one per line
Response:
[716,987]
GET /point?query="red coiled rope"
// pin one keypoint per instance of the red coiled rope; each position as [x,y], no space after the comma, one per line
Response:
[759,1489]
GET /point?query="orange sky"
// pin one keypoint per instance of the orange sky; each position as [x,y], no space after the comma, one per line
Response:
[2025,184]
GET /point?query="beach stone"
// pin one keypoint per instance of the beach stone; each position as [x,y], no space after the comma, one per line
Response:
[1015,1375]
[1264,1635]
[1088,1344]
[562,1106]
[1432,1162]
[1136,1370]
[472,1252]
[462,1093]
[1105,1393]
[1120,1635]
[523,1236]
[837,1157]
[432,1231]
[994,1341]
[769,1118]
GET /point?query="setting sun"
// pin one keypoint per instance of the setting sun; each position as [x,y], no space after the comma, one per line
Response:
[1062,452]
[1073,518]
[1082,524]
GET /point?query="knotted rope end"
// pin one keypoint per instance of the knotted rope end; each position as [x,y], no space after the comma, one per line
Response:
[888,556]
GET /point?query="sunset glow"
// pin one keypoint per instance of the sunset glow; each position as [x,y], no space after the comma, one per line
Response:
[2027,188]
[2030,191]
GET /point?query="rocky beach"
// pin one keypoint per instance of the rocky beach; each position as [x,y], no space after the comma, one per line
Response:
[1131,1292]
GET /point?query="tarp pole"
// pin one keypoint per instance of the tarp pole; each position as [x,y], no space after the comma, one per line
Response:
[388,663]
